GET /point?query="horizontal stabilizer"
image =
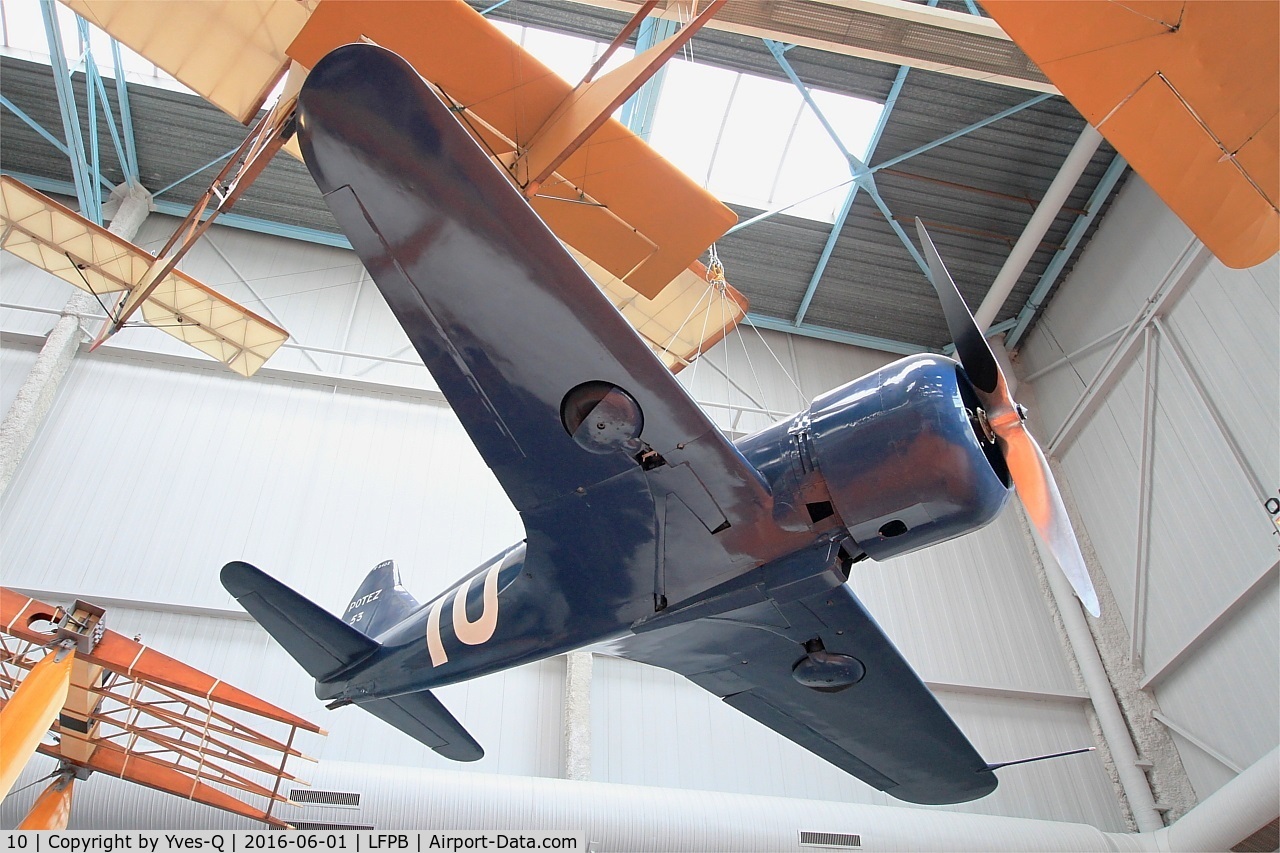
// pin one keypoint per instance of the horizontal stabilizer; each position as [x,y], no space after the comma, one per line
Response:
[322,643]
[422,717]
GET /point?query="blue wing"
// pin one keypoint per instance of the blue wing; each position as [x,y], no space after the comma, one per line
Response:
[887,728]
[503,317]
[556,390]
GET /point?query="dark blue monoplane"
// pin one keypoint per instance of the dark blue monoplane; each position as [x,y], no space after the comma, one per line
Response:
[645,526]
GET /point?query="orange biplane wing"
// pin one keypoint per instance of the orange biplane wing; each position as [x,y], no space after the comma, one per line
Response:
[633,219]
[1187,92]
[134,713]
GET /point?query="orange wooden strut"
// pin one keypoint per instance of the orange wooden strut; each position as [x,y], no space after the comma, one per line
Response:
[30,711]
[52,809]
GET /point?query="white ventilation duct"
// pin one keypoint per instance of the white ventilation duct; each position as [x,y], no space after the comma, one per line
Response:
[635,818]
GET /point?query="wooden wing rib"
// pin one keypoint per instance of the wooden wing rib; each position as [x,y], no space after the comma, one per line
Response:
[62,242]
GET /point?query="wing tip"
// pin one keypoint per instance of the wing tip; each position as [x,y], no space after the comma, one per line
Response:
[239,577]
[948,791]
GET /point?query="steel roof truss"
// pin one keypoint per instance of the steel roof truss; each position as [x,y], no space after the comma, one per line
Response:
[87,191]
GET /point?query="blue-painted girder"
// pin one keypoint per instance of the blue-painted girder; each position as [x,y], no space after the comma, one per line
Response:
[130,161]
[808,330]
[91,114]
[862,173]
[779,52]
[195,172]
[977,125]
[1060,258]
[863,179]
[40,129]
[640,108]
[760,217]
[100,88]
[843,215]
[87,193]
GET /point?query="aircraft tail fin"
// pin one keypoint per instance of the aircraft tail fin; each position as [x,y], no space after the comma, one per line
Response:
[322,643]
[380,602]
[328,648]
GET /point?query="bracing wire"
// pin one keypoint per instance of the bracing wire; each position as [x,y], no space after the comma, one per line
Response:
[680,328]
[702,338]
[88,286]
[785,371]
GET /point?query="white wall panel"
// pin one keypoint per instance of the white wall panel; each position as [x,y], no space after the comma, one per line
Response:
[748,371]
[1227,326]
[147,478]
[1228,694]
[1102,472]
[654,727]
[969,611]
[1123,262]
[823,365]
[1210,539]
[29,286]
[15,364]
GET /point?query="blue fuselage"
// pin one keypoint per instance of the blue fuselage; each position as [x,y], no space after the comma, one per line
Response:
[886,464]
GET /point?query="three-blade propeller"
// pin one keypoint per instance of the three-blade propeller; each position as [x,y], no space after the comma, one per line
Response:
[1027,465]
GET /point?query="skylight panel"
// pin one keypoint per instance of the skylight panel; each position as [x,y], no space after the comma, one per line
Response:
[568,56]
[571,57]
[690,112]
[814,162]
[753,141]
[758,125]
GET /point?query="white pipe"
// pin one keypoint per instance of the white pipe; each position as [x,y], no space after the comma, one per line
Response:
[1065,181]
[1230,814]
[639,818]
[1115,731]
[1227,816]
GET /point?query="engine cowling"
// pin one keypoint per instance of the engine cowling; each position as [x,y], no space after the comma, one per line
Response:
[904,457]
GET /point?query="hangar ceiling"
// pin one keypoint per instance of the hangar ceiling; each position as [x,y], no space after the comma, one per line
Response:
[976,192]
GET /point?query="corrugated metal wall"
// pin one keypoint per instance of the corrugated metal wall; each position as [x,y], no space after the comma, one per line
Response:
[1200,608]
[155,469]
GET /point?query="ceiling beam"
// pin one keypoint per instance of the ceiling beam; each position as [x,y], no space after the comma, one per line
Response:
[808,330]
[892,31]
[1059,262]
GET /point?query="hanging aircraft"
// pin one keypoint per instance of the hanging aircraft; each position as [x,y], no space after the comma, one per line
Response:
[646,527]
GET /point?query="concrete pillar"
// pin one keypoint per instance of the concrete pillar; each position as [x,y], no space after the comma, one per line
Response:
[577,716]
[1144,763]
[1118,731]
[35,397]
